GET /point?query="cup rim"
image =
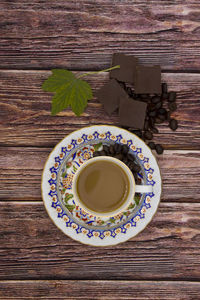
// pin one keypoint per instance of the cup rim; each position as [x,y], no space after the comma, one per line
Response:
[129,198]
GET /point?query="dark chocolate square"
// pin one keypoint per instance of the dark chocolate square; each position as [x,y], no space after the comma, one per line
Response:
[127,70]
[148,80]
[132,112]
[109,95]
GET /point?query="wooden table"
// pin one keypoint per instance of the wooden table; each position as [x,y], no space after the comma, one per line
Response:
[37,261]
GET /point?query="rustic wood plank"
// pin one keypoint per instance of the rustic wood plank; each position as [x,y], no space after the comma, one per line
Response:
[21,170]
[83,35]
[95,289]
[31,247]
[26,120]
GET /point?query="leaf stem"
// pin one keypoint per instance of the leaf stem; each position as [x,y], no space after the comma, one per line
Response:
[97,72]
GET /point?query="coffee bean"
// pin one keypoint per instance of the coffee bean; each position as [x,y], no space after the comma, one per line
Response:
[130,157]
[151,145]
[151,107]
[125,149]
[164,96]
[137,132]
[159,149]
[146,125]
[151,122]
[129,91]
[173,124]
[135,168]
[96,153]
[155,99]
[154,130]
[102,153]
[158,105]
[164,87]
[161,117]
[172,106]
[119,156]
[130,165]
[152,113]
[172,96]
[138,181]
[148,135]
[168,115]
[158,120]
[112,150]
[144,96]
[122,84]
[117,148]
[125,161]
[106,148]
[162,111]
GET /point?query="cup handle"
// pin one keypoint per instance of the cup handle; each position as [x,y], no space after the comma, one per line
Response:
[143,189]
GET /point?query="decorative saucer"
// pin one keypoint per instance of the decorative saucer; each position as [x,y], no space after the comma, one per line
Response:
[57,178]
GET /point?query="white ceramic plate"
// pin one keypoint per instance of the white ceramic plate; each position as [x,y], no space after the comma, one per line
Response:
[57,178]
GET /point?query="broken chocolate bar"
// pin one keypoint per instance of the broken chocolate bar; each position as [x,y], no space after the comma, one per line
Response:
[148,80]
[132,113]
[110,94]
[127,70]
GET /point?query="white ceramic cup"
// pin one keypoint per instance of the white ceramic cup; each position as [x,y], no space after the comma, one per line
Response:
[132,190]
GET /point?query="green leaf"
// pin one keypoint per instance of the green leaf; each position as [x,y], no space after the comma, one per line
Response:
[68,197]
[69,91]
[97,146]
[137,199]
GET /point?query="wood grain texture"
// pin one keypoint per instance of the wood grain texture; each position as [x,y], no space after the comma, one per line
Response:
[84,34]
[95,289]
[32,247]
[26,120]
[21,170]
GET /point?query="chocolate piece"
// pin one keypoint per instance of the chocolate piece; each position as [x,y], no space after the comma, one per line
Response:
[159,149]
[173,124]
[110,94]
[172,97]
[148,80]
[127,69]
[132,113]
